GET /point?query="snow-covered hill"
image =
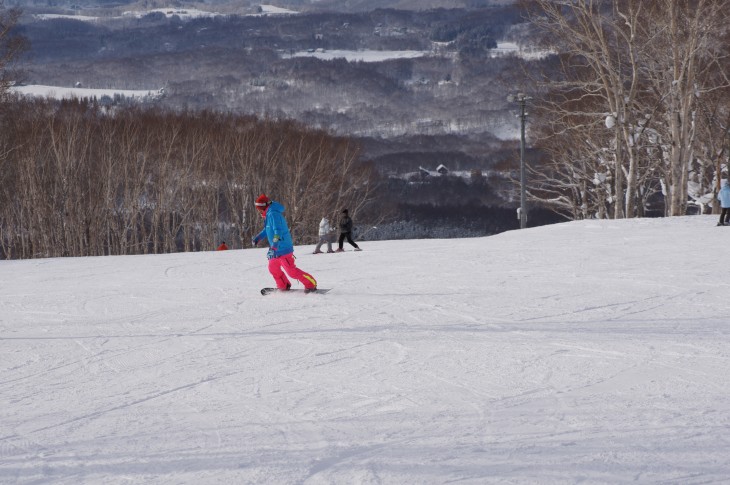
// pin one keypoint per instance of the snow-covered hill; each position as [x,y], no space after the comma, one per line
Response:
[593,351]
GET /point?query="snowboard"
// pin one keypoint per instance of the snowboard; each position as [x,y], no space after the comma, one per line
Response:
[269,291]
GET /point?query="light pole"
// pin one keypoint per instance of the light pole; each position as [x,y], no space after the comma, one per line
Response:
[522,100]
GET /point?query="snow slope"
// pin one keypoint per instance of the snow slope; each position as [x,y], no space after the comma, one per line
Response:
[594,351]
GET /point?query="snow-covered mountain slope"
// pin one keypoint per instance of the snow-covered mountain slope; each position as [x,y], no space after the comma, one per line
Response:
[593,351]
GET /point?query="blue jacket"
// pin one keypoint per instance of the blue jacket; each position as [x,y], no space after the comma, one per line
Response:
[275,225]
[724,196]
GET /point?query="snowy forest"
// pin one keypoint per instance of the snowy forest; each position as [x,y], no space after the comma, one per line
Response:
[634,119]
[79,181]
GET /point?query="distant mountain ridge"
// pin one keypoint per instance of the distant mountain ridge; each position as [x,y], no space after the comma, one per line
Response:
[367,5]
[301,5]
[431,91]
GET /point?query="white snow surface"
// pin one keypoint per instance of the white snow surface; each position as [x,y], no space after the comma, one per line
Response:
[592,352]
[503,48]
[60,92]
[52,16]
[361,55]
[182,13]
[523,52]
[274,10]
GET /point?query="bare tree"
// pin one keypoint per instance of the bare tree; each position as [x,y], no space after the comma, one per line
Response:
[713,138]
[573,179]
[684,61]
[641,65]
[79,181]
[600,55]
[12,46]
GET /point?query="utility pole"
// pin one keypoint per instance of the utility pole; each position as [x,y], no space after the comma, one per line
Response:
[522,99]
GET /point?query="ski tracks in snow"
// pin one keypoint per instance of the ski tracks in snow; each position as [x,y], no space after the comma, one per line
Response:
[476,361]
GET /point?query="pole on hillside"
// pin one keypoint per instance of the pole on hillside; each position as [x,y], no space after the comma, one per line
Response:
[522,99]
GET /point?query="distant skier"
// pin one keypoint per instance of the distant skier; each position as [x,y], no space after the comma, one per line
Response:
[222,247]
[281,247]
[724,197]
[325,236]
[346,232]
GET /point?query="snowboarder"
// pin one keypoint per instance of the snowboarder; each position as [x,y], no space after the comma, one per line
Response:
[281,247]
[325,236]
[222,247]
[724,197]
[346,232]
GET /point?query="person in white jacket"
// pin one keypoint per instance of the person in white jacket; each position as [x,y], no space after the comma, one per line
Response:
[325,236]
[724,198]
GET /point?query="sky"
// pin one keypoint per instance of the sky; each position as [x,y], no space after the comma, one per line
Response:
[590,351]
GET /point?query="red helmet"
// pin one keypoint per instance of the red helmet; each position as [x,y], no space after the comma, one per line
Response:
[262,203]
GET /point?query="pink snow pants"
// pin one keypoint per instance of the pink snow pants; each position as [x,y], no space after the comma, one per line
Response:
[277,267]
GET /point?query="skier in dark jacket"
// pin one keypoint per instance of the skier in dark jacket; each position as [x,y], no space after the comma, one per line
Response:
[346,232]
[281,247]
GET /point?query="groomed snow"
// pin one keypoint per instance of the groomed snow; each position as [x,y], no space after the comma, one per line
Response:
[592,352]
